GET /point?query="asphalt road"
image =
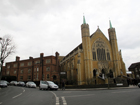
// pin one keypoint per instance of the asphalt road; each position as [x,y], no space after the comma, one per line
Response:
[30,96]
[13,95]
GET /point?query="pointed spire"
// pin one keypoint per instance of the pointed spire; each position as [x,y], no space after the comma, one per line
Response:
[110,24]
[84,20]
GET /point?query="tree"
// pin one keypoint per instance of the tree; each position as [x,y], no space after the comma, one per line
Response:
[7,47]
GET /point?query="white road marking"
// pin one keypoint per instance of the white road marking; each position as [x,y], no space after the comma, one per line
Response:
[57,98]
[80,95]
[64,101]
[20,93]
[17,95]
[23,89]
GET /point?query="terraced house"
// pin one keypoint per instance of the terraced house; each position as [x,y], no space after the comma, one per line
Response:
[95,59]
[34,69]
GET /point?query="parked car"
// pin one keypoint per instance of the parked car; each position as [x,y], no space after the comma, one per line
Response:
[139,85]
[3,84]
[52,85]
[13,83]
[43,85]
[21,83]
[6,82]
[31,84]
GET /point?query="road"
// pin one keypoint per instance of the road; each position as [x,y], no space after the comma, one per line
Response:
[29,96]
[13,95]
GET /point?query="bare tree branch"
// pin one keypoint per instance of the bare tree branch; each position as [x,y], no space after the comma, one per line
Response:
[6,48]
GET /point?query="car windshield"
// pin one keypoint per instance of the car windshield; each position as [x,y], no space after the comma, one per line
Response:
[43,82]
[1,82]
[50,82]
[14,81]
[31,82]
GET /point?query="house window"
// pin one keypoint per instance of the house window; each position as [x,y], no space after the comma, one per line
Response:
[21,64]
[7,72]
[29,77]
[29,63]
[48,61]
[47,68]
[15,65]
[8,66]
[48,76]
[29,70]
[37,62]
[37,69]
[15,71]
[21,77]
[21,71]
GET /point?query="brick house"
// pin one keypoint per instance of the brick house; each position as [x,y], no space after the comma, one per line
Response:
[135,69]
[34,69]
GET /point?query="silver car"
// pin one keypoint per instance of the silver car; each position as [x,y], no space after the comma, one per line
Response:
[13,83]
[139,85]
[21,83]
[31,85]
[52,85]
[3,84]
[43,85]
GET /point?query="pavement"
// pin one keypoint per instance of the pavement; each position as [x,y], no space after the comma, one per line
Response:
[110,88]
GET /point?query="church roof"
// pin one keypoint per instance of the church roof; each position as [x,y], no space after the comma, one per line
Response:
[80,45]
[98,31]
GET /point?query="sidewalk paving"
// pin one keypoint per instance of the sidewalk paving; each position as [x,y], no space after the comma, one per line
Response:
[110,88]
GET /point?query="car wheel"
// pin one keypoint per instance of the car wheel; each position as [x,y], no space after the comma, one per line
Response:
[138,86]
[49,88]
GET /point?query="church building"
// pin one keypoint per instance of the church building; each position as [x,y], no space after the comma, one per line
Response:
[95,60]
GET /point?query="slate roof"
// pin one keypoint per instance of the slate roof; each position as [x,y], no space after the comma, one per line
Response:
[133,65]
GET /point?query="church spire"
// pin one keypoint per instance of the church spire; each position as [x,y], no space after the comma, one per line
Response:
[84,20]
[110,24]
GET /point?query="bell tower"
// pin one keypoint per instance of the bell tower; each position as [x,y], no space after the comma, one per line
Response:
[86,50]
[114,46]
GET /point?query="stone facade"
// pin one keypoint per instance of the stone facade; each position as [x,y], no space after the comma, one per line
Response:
[95,59]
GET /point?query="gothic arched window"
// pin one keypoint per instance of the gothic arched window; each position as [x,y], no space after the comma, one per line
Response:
[100,50]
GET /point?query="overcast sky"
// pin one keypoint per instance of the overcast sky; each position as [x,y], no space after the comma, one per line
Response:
[47,26]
